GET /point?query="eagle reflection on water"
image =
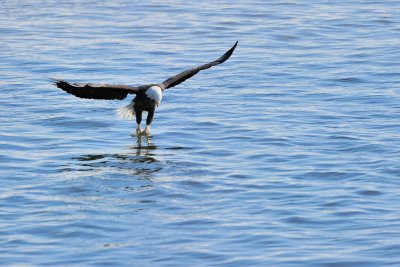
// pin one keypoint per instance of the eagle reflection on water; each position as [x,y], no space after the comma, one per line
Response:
[138,160]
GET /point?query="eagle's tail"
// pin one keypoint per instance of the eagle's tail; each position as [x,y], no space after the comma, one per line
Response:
[127,112]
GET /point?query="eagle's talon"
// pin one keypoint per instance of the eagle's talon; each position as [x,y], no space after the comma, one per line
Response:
[138,130]
[146,131]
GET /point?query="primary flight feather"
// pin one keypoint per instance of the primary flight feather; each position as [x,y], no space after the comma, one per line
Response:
[148,96]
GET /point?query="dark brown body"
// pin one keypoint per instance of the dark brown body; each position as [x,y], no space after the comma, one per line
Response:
[144,103]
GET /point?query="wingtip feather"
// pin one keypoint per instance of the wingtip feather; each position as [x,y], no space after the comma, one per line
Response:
[53,80]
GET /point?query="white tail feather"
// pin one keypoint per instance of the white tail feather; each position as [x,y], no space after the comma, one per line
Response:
[127,112]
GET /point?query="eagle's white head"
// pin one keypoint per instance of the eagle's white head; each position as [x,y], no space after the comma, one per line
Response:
[155,93]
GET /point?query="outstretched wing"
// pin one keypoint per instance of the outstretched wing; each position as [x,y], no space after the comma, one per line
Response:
[183,76]
[96,91]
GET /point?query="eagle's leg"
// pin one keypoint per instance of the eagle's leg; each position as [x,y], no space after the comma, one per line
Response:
[149,120]
[138,121]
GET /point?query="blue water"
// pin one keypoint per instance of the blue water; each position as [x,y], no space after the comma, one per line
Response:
[285,155]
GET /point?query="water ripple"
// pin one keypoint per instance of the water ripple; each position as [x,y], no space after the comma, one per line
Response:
[285,155]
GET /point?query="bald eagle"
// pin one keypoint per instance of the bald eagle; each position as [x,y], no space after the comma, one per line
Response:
[147,98]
